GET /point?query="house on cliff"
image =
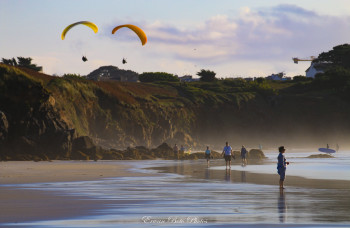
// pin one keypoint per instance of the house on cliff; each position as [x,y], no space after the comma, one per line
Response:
[278,77]
[316,68]
[188,78]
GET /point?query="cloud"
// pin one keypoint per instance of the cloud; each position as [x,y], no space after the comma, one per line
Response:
[257,37]
[264,34]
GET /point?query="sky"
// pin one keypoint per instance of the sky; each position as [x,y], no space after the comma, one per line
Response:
[250,38]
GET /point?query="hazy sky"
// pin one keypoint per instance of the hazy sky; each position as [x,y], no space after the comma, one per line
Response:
[233,38]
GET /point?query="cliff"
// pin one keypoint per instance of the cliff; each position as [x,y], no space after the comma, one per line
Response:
[47,116]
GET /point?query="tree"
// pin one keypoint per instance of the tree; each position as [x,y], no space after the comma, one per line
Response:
[157,76]
[11,62]
[207,75]
[22,62]
[339,56]
[336,78]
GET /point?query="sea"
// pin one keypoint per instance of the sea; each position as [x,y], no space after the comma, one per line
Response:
[191,193]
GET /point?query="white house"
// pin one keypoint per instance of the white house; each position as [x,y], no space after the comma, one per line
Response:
[278,77]
[188,78]
[316,68]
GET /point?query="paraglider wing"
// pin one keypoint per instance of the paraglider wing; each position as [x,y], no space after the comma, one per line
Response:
[87,23]
[141,34]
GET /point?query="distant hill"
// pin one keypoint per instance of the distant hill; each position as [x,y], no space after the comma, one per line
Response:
[106,73]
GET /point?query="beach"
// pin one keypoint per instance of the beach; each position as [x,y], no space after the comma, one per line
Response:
[170,192]
[19,202]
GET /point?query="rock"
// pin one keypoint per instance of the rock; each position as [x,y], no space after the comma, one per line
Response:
[79,155]
[236,154]
[320,156]
[163,151]
[4,126]
[82,143]
[83,148]
[112,155]
[256,154]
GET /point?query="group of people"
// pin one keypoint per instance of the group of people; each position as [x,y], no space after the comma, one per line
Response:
[179,152]
[281,161]
[228,155]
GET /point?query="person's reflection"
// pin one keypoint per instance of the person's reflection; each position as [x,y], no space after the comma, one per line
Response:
[243,177]
[282,206]
[179,168]
[207,174]
[228,175]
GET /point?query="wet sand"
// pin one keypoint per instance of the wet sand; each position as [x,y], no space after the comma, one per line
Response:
[20,203]
[57,193]
[201,171]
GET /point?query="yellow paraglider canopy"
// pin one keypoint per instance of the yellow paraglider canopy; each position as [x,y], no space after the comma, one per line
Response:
[87,23]
[141,34]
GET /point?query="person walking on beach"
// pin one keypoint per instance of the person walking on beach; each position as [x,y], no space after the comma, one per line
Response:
[176,151]
[244,155]
[207,155]
[281,165]
[227,152]
[182,150]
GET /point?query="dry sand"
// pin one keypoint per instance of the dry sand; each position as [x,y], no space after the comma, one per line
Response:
[19,204]
[21,172]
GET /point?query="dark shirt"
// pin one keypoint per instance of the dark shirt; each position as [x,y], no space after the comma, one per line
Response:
[281,161]
[243,152]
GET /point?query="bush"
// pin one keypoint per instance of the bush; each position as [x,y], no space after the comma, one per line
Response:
[157,76]
[336,78]
[72,76]
[300,78]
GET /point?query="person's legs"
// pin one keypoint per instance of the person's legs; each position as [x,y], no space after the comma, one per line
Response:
[282,173]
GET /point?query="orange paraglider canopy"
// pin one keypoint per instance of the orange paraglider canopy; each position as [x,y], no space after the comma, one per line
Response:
[140,33]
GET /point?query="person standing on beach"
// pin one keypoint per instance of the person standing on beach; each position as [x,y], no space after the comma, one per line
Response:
[207,155]
[227,152]
[176,151]
[281,165]
[243,155]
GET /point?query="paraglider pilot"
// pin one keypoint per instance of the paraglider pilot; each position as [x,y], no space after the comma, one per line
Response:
[84,58]
[124,61]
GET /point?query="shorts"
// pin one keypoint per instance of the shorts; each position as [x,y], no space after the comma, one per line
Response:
[282,173]
[207,156]
[227,157]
